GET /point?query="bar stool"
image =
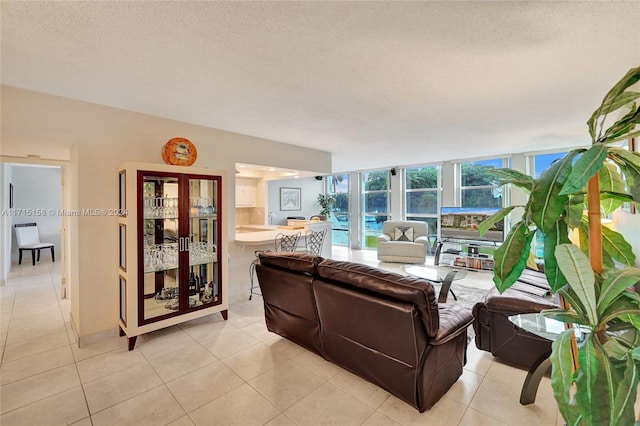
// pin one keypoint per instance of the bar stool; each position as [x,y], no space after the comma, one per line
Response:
[282,242]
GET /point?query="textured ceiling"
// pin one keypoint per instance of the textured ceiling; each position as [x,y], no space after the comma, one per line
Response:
[376,83]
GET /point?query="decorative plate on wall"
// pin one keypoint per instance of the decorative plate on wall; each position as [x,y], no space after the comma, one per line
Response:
[179,152]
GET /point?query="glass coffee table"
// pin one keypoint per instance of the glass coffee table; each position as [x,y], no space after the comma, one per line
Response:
[547,328]
[443,275]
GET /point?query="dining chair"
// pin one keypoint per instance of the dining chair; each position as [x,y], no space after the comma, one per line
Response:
[28,238]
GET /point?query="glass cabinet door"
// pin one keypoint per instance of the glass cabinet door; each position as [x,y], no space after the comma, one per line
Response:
[204,232]
[179,241]
[160,248]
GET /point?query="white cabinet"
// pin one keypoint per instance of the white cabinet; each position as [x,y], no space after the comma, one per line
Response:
[172,244]
[245,192]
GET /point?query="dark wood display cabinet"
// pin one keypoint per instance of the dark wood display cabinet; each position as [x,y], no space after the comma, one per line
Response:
[172,243]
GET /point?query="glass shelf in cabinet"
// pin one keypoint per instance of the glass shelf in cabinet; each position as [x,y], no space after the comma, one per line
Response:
[160,257]
[161,218]
[204,216]
[203,262]
[151,271]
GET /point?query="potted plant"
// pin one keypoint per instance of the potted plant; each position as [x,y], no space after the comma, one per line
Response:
[594,379]
[326,202]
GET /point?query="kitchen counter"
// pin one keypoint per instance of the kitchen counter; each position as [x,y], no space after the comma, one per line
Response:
[252,238]
[261,234]
[265,235]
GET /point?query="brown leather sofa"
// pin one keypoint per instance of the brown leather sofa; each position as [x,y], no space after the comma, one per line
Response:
[496,334]
[384,327]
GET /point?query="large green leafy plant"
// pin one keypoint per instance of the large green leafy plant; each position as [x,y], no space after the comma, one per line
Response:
[595,383]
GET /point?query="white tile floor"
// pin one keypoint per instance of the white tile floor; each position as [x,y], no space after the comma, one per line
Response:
[210,371]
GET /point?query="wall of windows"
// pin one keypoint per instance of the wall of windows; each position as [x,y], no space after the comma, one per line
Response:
[421,195]
[479,188]
[375,205]
[418,193]
[338,187]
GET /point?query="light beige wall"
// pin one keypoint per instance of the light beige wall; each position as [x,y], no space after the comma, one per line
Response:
[628,224]
[101,138]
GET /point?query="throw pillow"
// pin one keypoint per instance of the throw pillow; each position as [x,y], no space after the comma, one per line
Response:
[403,233]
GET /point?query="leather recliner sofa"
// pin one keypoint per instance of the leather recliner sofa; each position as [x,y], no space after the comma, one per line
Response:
[496,334]
[386,328]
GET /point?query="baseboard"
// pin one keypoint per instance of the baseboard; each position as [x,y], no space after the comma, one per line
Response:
[93,338]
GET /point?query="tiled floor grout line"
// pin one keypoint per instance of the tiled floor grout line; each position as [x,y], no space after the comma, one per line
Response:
[74,362]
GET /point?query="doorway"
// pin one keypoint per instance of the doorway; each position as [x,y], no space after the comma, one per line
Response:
[34,192]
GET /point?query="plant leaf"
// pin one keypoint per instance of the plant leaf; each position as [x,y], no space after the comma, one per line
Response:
[617,247]
[615,282]
[586,382]
[622,411]
[615,349]
[576,268]
[610,182]
[622,129]
[632,176]
[611,98]
[486,224]
[629,163]
[561,375]
[609,105]
[584,168]
[510,258]
[629,157]
[557,235]
[562,315]
[631,315]
[622,197]
[576,305]
[512,176]
[546,202]
[574,209]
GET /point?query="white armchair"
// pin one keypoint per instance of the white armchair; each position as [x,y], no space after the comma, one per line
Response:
[403,241]
[28,239]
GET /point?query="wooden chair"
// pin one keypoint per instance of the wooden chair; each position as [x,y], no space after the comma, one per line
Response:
[29,239]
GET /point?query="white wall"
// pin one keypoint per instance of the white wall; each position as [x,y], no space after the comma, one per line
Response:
[629,225]
[97,139]
[6,172]
[310,189]
[37,189]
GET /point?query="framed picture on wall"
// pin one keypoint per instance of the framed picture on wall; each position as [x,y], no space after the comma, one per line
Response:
[290,199]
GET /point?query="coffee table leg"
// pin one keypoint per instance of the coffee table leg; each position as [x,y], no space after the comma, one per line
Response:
[446,287]
[534,376]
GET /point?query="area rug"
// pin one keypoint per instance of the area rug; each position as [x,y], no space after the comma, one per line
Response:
[467,296]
